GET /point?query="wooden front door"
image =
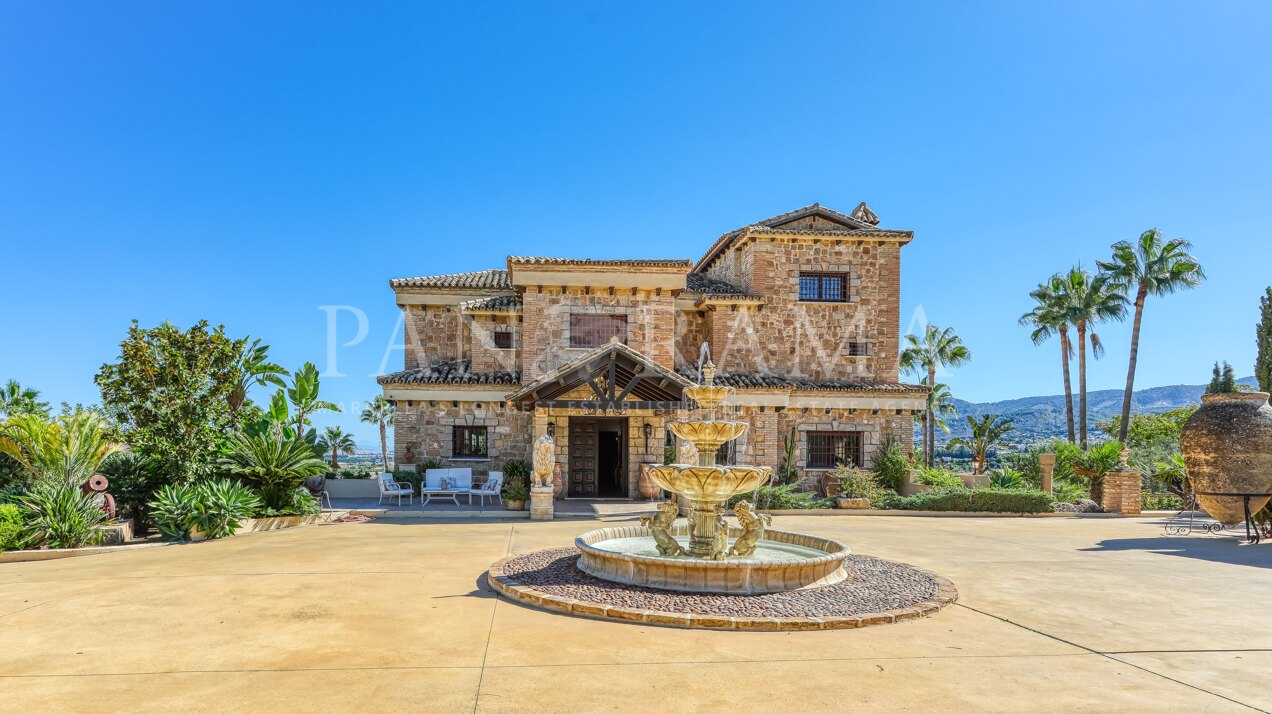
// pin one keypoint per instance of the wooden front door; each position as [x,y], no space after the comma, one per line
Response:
[582,458]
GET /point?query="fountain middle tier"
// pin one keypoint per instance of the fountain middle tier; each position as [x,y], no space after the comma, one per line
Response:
[707,436]
[706,488]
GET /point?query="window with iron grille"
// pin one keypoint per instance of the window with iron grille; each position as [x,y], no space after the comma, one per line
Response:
[503,340]
[828,449]
[858,349]
[469,442]
[590,330]
[823,287]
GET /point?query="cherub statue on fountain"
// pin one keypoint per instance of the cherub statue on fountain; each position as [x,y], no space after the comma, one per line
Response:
[720,541]
[753,525]
[660,527]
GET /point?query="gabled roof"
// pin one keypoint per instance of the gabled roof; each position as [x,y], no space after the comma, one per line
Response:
[633,374]
[758,380]
[863,222]
[457,372]
[494,279]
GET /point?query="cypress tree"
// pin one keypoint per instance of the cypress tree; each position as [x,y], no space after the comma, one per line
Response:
[1263,339]
[1228,383]
[1216,381]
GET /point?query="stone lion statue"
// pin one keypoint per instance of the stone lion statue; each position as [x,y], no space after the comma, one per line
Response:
[544,460]
[753,525]
[720,543]
[659,525]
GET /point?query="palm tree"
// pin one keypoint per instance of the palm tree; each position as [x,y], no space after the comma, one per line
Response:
[64,452]
[1049,318]
[274,460]
[938,348]
[256,369]
[1153,267]
[337,441]
[303,394]
[940,404]
[986,431]
[380,411]
[1089,299]
[16,399]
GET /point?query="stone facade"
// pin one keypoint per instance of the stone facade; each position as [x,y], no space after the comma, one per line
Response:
[818,340]
[798,366]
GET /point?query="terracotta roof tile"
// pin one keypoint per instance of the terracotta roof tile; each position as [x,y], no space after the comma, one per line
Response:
[500,303]
[757,380]
[449,373]
[707,285]
[632,263]
[857,224]
[480,279]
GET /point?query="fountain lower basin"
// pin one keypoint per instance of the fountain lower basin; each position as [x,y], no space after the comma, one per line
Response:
[783,561]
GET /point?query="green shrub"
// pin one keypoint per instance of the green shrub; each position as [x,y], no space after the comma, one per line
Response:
[297,503]
[409,476]
[214,507]
[978,500]
[515,469]
[783,497]
[11,527]
[855,483]
[939,478]
[1069,491]
[1006,478]
[515,490]
[59,516]
[1151,501]
[891,464]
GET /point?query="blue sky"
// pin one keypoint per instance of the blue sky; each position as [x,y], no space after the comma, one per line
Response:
[246,164]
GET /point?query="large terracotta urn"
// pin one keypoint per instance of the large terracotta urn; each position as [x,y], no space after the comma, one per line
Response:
[558,483]
[648,489]
[1227,446]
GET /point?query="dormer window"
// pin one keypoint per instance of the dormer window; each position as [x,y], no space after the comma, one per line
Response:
[592,330]
[823,287]
[503,340]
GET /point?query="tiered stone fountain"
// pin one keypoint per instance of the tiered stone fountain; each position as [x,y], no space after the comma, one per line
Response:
[703,573]
[705,555]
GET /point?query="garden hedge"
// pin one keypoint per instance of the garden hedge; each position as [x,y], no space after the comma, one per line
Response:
[978,500]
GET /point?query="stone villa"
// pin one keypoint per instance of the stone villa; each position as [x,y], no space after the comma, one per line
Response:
[801,312]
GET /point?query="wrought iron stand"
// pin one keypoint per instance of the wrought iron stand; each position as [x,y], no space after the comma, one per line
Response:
[1179,525]
[1254,532]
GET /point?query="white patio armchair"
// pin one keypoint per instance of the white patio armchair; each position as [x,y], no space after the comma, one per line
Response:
[394,489]
[493,486]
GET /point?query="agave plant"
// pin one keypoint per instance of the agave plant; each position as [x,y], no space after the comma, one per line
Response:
[1006,478]
[66,450]
[60,516]
[275,461]
[213,507]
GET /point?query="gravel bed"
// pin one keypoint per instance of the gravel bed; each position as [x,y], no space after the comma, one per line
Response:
[872,586]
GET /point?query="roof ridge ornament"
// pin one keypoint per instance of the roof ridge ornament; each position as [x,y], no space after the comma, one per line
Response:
[863,213]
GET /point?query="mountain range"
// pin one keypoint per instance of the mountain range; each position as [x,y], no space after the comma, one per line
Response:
[1040,418]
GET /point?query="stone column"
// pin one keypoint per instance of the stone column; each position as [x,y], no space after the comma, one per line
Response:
[540,503]
[1048,464]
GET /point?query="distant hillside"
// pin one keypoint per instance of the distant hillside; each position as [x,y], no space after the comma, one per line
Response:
[1043,417]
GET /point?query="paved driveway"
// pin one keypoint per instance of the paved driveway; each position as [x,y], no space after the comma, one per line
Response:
[393,615]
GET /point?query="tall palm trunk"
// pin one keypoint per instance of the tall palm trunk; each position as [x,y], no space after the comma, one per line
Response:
[930,436]
[1068,385]
[1140,296]
[384,447]
[1082,390]
[335,457]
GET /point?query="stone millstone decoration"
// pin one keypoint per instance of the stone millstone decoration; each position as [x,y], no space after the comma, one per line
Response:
[1227,447]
